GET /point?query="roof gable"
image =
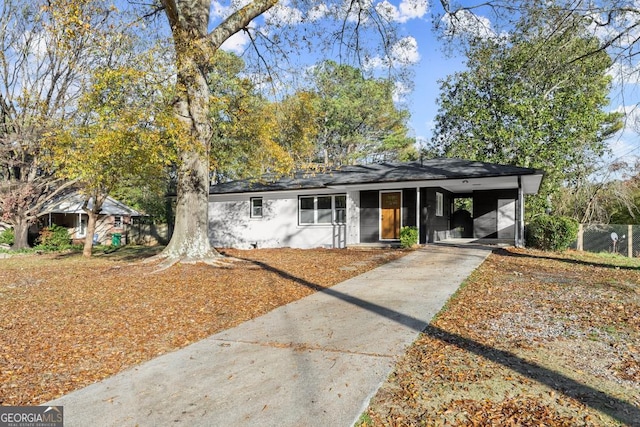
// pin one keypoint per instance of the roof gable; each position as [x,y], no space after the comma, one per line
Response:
[72,204]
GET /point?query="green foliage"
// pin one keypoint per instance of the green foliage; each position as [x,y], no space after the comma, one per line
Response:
[552,233]
[54,238]
[253,136]
[408,237]
[535,99]
[6,237]
[48,48]
[145,195]
[128,132]
[356,117]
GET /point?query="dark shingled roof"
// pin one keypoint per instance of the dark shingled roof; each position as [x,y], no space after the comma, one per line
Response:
[427,170]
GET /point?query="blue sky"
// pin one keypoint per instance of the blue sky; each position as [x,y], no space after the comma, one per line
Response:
[424,54]
[433,65]
[425,57]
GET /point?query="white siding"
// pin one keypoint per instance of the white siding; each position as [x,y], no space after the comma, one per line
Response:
[231,226]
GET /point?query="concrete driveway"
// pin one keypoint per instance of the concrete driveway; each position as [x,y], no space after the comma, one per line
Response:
[316,361]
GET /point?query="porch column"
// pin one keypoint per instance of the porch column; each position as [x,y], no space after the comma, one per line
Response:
[520,216]
[418,212]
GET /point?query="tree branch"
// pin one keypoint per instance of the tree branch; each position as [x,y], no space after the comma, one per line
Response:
[233,24]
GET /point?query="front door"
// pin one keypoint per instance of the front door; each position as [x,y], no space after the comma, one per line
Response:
[390,219]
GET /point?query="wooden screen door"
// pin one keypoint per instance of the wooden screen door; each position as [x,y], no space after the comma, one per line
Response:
[390,215]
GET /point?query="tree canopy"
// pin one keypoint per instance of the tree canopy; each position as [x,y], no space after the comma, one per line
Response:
[253,135]
[48,50]
[342,117]
[356,117]
[532,99]
[125,132]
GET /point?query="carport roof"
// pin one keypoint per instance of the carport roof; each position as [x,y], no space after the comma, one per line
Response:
[455,175]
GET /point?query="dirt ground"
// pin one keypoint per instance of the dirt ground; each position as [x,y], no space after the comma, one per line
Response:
[532,339]
[66,322]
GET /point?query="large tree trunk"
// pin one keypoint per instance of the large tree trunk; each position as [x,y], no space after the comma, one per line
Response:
[21,233]
[190,239]
[195,50]
[98,200]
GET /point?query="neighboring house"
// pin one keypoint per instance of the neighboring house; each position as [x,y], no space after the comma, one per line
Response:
[114,218]
[369,204]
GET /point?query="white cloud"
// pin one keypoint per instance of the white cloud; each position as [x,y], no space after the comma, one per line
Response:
[463,22]
[351,10]
[219,11]
[237,43]
[406,51]
[283,14]
[400,92]
[403,53]
[35,43]
[621,27]
[405,11]
[624,74]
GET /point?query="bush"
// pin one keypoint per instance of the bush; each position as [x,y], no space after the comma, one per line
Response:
[552,233]
[7,237]
[408,237]
[54,238]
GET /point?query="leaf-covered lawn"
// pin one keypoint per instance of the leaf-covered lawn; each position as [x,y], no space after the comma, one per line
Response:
[66,322]
[532,339]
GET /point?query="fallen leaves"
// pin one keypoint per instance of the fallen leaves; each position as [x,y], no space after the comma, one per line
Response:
[533,338]
[66,322]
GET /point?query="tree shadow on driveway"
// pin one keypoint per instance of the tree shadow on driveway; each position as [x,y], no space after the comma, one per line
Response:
[618,409]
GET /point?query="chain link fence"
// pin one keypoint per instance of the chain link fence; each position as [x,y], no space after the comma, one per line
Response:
[611,238]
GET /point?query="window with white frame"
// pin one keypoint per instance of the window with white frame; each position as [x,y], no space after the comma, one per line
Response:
[256,207]
[322,209]
[117,221]
[439,204]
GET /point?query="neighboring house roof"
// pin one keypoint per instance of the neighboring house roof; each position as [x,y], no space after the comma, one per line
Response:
[455,175]
[72,204]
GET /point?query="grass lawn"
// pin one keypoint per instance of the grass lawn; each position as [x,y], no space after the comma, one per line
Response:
[531,339]
[66,321]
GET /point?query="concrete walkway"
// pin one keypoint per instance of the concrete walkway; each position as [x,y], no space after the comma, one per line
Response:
[316,361]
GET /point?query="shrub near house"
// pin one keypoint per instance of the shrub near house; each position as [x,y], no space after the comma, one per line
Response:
[54,238]
[552,233]
[6,237]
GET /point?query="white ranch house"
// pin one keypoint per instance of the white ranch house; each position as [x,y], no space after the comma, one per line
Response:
[369,204]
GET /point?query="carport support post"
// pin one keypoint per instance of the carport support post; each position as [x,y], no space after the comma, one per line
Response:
[418,212]
[520,215]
